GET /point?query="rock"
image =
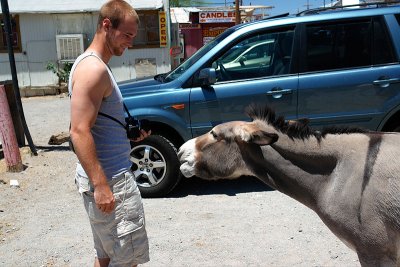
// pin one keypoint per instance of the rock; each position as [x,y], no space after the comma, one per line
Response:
[25,150]
[59,139]
[14,184]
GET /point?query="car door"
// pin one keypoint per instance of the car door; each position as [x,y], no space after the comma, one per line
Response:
[271,82]
[350,73]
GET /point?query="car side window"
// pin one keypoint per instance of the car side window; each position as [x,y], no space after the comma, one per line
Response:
[398,18]
[339,45]
[383,51]
[260,55]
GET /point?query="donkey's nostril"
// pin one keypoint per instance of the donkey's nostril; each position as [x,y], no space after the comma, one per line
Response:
[187,170]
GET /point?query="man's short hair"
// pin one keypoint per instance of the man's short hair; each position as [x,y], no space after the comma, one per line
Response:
[115,11]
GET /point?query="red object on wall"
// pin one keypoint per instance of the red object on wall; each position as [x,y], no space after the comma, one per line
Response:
[212,30]
[8,138]
[193,40]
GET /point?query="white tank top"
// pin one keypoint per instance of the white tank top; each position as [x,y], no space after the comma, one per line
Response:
[112,144]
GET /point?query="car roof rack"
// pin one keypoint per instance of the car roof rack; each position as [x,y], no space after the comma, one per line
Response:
[277,16]
[332,8]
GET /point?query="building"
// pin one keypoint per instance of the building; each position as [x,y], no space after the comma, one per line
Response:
[58,31]
[198,26]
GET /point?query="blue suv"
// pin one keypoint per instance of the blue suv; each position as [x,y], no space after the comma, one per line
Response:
[334,67]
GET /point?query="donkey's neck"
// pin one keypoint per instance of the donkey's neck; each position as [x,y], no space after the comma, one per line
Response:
[299,168]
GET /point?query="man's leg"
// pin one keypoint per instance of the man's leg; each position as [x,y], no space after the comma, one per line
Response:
[101,262]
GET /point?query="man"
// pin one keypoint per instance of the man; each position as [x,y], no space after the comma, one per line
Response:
[110,194]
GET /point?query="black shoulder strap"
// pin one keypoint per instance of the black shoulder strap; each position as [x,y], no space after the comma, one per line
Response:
[114,119]
[127,111]
[111,118]
[71,145]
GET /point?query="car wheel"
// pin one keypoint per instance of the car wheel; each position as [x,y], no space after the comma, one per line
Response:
[155,165]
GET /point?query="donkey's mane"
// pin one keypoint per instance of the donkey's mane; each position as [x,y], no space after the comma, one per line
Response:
[295,129]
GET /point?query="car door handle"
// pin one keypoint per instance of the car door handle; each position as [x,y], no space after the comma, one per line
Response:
[278,92]
[385,82]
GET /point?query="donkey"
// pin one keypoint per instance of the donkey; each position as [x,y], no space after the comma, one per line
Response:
[349,177]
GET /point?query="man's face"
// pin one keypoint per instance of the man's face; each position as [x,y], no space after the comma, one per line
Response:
[122,37]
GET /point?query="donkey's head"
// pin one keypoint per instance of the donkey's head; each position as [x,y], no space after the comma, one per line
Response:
[220,153]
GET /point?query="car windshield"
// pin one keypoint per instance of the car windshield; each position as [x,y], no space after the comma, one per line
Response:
[178,71]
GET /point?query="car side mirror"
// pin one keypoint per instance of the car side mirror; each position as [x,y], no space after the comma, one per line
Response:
[207,76]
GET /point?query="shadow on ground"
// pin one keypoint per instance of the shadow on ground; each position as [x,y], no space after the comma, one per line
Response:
[197,186]
[42,148]
[53,148]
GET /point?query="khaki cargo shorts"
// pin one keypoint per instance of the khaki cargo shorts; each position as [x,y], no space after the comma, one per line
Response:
[120,235]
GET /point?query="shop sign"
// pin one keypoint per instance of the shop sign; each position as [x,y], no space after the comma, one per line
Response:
[213,31]
[175,51]
[189,26]
[216,16]
[206,40]
[163,28]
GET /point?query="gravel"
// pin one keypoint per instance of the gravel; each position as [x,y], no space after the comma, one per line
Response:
[201,223]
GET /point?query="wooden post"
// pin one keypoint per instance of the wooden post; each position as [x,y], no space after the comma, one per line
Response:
[237,13]
[15,115]
[7,136]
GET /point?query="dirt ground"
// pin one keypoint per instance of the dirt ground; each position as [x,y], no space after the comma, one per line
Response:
[201,223]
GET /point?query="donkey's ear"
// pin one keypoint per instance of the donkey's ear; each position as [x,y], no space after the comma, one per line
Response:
[263,138]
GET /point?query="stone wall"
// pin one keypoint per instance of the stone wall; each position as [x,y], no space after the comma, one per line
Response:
[42,90]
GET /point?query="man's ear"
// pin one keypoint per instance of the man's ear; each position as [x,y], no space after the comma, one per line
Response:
[263,138]
[107,24]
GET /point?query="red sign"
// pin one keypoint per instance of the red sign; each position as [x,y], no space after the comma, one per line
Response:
[175,51]
[213,31]
[216,16]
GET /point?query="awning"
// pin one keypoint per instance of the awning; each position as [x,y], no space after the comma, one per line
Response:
[73,6]
[181,14]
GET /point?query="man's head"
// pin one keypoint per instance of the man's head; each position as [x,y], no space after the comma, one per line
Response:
[120,22]
[116,11]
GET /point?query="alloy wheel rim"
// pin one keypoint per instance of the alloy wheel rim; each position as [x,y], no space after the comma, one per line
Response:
[149,165]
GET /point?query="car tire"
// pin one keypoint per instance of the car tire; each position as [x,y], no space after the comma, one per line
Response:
[155,165]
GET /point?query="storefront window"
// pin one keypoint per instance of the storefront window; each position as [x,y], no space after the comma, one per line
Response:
[15,33]
[148,33]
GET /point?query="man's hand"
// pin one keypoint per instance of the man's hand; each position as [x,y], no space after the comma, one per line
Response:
[104,198]
[143,135]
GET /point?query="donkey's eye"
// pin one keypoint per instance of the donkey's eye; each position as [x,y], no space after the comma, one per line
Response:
[214,134]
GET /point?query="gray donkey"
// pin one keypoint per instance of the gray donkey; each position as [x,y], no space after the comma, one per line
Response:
[349,177]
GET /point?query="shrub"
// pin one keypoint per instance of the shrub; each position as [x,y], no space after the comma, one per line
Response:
[62,72]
